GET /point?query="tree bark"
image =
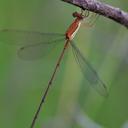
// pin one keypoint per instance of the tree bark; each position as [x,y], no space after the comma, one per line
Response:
[103,9]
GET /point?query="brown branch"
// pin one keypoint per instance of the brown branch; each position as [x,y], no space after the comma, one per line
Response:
[106,10]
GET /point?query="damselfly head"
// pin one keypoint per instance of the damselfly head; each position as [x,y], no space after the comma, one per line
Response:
[81,15]
[78,15]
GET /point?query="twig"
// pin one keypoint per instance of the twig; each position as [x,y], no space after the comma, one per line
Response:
[106,10]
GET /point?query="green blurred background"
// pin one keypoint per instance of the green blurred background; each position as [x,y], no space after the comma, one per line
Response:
[71,103]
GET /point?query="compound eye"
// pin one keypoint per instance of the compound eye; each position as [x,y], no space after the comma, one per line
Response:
[75,14]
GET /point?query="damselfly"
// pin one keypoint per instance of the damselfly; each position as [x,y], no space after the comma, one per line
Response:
[37,44]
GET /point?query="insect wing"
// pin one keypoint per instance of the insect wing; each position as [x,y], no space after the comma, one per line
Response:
[34,44]
[37,51]
[21,37]
[89,72]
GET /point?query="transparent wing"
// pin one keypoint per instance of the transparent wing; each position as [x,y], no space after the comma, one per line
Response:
[89,72]
[37,51]
[34,44]
[91,19]
[21,37]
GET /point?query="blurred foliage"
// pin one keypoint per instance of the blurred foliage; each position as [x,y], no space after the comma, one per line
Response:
[71,103]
